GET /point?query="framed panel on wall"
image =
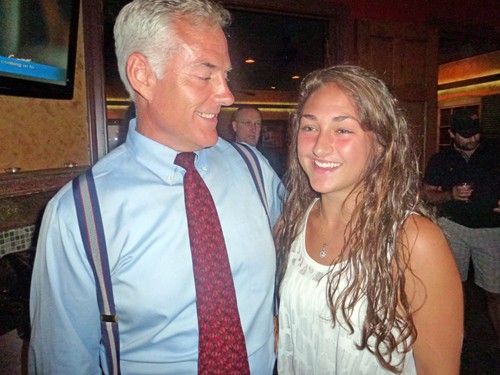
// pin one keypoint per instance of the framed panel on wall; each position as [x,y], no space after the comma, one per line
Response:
[279,51]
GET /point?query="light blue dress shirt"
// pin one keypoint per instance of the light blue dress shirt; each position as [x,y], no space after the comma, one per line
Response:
[141,197]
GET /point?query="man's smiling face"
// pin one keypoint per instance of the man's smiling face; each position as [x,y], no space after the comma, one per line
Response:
[186,101]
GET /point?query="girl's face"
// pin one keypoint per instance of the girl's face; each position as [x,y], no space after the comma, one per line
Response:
[332,147]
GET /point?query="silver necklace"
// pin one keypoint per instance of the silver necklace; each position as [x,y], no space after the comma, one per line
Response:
[322,252]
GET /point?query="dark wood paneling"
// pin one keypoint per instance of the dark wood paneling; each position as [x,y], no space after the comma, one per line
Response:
[405,57]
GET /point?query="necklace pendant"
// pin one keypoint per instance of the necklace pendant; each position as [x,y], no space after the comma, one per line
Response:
[322,252]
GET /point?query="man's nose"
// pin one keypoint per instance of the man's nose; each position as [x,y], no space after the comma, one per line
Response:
[224,96]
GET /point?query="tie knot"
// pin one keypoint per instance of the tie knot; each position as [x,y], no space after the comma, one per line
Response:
[185,160]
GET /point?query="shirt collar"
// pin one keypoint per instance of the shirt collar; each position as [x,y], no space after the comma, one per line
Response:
[159,158]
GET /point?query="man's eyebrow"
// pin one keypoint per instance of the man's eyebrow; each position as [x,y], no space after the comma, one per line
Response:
[209,65]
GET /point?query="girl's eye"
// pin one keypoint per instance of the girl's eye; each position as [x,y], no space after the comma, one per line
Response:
[307,128]
[344,131]
[205,78]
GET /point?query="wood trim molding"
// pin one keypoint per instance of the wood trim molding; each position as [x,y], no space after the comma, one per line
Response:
[93,25]
[19,184]
[23,196]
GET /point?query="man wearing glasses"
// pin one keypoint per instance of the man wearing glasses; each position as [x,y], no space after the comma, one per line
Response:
[247,125]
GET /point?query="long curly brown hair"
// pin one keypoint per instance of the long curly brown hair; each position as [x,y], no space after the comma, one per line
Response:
[388,191]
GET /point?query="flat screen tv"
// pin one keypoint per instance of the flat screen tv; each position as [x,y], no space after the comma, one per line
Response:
[38,47]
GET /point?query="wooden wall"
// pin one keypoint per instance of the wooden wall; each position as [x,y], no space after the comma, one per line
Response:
[38,134]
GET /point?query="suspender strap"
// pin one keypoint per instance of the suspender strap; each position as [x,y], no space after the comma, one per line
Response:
[92,231]
[253,165]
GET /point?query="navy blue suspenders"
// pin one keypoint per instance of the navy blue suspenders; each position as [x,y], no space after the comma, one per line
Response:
[91,228]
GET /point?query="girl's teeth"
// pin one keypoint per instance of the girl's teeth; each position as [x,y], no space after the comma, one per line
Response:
[326,165]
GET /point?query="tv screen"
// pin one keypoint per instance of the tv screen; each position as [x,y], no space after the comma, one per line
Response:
[38,47]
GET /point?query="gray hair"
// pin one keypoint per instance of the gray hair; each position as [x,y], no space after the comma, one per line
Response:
[146,26]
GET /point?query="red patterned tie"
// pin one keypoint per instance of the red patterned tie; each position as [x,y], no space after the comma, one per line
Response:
[222,348]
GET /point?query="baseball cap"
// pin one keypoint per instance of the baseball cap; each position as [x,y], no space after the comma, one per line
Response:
[465,123]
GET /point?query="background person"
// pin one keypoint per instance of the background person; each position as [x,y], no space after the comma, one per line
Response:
[368,284]
[173,59]
[467,212]
[247,126]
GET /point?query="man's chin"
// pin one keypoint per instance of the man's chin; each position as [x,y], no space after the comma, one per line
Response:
[467,147]
[210,141]
[472,146]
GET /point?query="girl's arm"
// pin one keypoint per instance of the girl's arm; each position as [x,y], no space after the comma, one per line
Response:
[435,290]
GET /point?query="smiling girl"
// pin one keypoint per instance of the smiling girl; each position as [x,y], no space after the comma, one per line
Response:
[368,284]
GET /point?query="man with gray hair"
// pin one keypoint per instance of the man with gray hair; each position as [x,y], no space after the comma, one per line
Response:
[169,262]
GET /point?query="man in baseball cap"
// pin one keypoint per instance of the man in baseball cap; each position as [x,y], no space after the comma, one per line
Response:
[463,181]
[465,123]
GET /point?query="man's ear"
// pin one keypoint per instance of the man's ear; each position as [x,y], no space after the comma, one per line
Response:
[452,135]
[141,76]
[234,125]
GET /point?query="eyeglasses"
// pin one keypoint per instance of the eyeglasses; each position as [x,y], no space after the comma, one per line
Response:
[247,124]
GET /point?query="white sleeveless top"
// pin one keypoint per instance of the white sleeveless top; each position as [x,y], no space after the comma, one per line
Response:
[308,344]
